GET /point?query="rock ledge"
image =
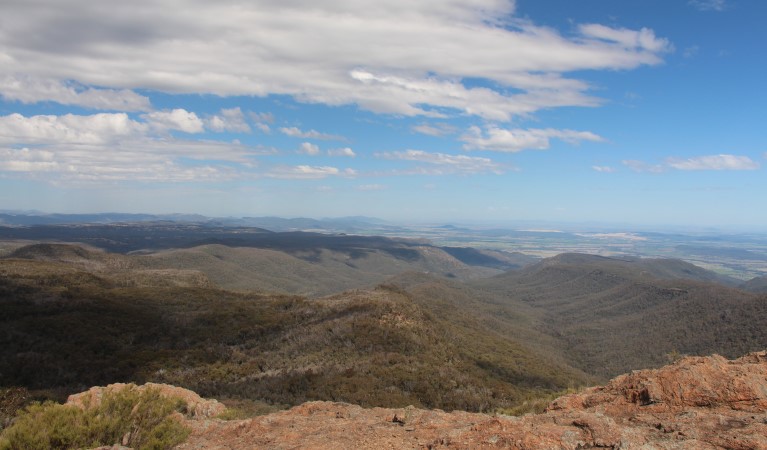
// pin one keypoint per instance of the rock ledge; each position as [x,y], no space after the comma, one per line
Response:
[696,403]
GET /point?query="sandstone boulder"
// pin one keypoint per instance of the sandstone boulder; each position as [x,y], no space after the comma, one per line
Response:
[198,407]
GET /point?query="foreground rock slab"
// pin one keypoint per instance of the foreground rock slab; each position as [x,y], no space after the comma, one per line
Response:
[696,403]
[198,407]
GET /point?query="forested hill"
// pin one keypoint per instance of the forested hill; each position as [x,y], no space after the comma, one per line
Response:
[390,329]
[613,315]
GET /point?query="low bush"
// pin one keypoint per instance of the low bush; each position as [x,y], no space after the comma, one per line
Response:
[141,419]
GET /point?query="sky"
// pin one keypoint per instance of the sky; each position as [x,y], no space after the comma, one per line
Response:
[645,112]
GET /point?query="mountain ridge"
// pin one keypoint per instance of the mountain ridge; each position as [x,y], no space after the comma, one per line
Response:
[405,338]
[602,310]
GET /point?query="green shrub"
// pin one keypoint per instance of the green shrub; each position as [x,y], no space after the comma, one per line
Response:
[141,419]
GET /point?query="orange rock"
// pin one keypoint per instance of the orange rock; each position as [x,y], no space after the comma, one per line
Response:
[197,406]
[696,403]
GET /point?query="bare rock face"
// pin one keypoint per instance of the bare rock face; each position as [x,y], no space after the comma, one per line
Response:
[696,403]
[198,407]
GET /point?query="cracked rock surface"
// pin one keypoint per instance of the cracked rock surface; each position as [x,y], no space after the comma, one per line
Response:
[696,403]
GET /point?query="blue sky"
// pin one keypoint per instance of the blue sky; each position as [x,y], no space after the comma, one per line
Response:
[638,112]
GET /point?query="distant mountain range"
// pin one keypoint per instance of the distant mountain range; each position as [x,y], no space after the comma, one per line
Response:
[31,218]
[11,218]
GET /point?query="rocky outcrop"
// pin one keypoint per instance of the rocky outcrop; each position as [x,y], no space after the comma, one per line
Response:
[197,407]
[696,403]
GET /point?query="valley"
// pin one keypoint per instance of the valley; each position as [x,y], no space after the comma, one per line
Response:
[463,224]
[266,319]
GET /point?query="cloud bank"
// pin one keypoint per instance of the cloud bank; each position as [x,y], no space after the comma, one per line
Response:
[317,52]
[111,147]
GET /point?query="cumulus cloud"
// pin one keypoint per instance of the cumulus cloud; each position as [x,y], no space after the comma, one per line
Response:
[112,147]
[228,120]
[318,52]
[262,121]
[26,160]
[133,162]
[305,172]
[446,164]
[311,134]
[709,162]
[70,128]
[345,151]
[28,89]
[307,148]
[516,140]
[177,119]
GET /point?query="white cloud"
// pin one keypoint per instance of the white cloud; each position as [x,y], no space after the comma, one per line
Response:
[305,172]
[516,140]
[603,169]
[713,162]
[437,129]
[262,121]
[26,160]
[447,164]
[311,134]
[307,148]
[319,52]
[177,119]
[70,128]
[385,93]
[112,147]
[28,89]
[124,163]
[228,120]
[643,39]
[709,162]
[709,5]
[346,151]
